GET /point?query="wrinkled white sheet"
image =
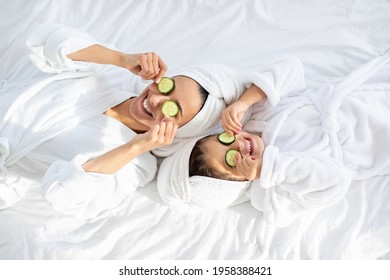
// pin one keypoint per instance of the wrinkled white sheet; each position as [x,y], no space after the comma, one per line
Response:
[331,38]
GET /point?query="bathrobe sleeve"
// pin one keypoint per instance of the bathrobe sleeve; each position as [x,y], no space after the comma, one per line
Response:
[72,191]
[279,78]
[50,44]
[295,182]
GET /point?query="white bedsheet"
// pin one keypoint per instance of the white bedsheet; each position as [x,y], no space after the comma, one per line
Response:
[332,37]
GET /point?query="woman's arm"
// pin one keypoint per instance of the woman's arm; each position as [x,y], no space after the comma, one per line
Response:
[98,54]
[160,135]
[147,65]
[56,48]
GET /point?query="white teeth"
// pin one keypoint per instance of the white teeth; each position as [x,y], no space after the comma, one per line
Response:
[146,107]
[249,145]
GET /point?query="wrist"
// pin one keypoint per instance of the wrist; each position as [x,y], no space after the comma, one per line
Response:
[253,95]
[241,106]
[118,59]
[137,146]
[109,56]
[245,104]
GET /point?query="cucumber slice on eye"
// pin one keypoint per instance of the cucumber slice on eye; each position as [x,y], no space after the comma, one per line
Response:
[225,138]
[166,85]
[170,108]
[230,157]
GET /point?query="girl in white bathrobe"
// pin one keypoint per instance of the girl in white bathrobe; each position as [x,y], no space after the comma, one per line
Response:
[300,151]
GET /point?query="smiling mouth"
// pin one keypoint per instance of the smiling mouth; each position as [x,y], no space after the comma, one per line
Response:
[250,145]
[146,108]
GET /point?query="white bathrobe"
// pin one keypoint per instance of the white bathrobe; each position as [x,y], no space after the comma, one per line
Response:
[50,127]
[319,142]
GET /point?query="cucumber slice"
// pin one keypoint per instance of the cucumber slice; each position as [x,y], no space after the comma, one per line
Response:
[225,138]
[166,85]
[229,157]
[170,108]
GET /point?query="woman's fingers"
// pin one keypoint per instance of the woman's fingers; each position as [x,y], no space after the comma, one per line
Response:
[151,66]
[163,69]
[235,120]
[229,124]
[152,72]
[171,131]
[166,133]
[155,130]
[232,115]
[161,132]
[156,66]
[159,135]
[148,66]
[229,129]
[143,63]
[159,68]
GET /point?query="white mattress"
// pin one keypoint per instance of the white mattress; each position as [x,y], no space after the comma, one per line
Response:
[332,37]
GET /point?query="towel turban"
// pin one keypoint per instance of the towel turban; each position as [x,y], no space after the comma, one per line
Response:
[197,193]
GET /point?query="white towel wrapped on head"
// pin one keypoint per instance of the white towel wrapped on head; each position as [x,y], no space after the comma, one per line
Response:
[196,193]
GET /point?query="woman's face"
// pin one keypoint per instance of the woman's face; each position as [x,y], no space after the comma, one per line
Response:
[245,143]
[146,108]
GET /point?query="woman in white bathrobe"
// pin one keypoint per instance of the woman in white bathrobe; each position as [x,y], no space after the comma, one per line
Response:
[297,152]
[83,133]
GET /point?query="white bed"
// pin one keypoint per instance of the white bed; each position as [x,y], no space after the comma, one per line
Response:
[332,37]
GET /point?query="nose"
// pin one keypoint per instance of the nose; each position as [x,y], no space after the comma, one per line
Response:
[155,101]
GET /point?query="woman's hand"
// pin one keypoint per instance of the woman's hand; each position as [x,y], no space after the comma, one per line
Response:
[159,135]
[248,167]
[232,115]
[147,65]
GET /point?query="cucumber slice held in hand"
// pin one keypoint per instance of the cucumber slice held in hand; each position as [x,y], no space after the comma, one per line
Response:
[230,157]
[170,108]
[166,85]
[225,138]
